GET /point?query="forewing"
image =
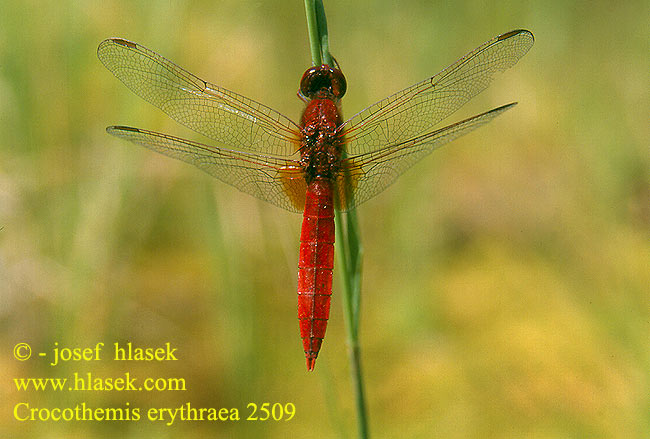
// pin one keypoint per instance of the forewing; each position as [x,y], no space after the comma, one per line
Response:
[215,112]
[417,109]
[263,176]
[372,172]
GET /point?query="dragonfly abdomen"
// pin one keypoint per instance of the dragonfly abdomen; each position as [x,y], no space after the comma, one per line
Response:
[315,265]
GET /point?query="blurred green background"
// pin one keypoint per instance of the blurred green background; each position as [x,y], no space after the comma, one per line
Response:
[506,291]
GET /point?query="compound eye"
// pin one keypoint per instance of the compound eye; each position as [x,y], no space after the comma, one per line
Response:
[307,82]
[339,84]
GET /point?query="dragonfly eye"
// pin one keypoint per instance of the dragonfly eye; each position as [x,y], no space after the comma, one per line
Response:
[321,79]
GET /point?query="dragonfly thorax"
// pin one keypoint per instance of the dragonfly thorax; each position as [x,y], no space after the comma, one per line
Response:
[321,141]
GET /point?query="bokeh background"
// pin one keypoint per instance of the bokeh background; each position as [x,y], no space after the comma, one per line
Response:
[506,284]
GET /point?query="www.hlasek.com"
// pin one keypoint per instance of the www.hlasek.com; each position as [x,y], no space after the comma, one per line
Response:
[89,382]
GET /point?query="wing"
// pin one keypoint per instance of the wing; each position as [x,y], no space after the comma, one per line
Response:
[372,172]
[232,119]
[417,109]
[278,180]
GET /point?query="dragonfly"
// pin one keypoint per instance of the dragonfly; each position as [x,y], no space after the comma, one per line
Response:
[320,164]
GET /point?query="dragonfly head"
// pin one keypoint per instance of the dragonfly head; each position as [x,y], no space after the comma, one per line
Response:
[323,81]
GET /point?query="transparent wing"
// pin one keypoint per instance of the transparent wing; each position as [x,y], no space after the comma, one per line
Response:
[372,172]
[263,176]
[222,115]
[417,109]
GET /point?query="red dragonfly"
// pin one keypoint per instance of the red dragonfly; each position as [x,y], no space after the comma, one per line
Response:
[320,164]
